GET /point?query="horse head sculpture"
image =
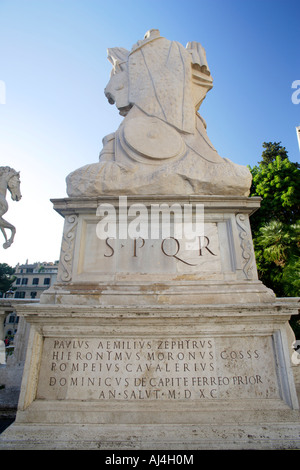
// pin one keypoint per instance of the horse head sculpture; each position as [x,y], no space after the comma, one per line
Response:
[9,180]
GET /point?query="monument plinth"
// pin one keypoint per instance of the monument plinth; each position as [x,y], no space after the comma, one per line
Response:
[152,338]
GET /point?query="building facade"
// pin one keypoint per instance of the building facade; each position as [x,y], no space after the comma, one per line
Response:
[33,279]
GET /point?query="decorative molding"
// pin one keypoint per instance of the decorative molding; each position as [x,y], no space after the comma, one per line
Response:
[67,249]
[246,245]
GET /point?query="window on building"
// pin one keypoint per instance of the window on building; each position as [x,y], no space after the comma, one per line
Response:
[19,295]
[25,280]
[33,295]
[35,281]
[47,281]
[18,281]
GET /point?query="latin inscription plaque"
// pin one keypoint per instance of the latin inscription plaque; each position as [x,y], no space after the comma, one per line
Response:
[147,368]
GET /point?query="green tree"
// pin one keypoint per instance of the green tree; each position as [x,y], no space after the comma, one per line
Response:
[272,149]
[6,277]
[275,225]
[278,257]
[278,183]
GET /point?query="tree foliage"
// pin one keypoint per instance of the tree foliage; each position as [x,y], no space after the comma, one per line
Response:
[6,277]
[277,255]
[276,225]
[272,149]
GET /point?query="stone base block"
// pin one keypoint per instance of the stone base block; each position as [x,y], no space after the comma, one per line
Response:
[262,436]
[199,377]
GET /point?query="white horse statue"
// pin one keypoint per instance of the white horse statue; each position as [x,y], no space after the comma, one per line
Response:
[9,179]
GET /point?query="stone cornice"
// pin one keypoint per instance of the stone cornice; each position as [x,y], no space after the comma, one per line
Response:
[65,206]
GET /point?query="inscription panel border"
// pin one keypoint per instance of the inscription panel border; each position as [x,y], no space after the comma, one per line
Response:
[281,381]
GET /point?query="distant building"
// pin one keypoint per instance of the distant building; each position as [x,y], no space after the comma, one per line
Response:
[33,279]
[10,327]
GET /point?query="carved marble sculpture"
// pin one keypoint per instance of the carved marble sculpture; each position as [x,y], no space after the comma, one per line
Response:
[161,146]
[9,179]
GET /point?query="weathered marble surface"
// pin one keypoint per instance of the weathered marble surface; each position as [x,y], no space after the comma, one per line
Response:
[161,146]
[158,343]
[216,267]
[160,377]
[130,347]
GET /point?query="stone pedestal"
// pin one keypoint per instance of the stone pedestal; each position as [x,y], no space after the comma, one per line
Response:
[218,267]
[157,343]
[2,344]
[11,371]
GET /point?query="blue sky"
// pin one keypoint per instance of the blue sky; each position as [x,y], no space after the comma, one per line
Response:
[54,65]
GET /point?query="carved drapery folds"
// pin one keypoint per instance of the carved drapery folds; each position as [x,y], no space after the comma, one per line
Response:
[161,145]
